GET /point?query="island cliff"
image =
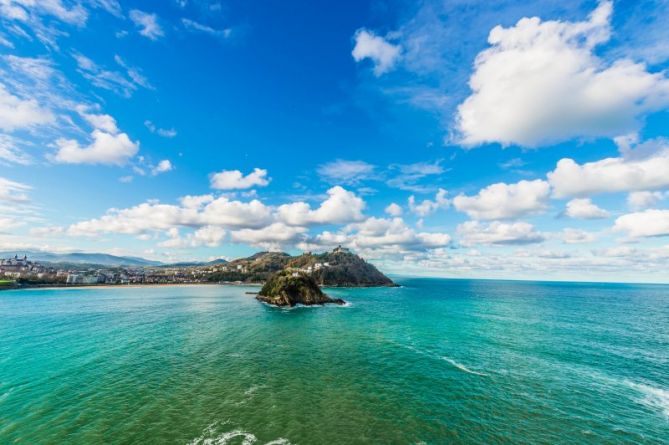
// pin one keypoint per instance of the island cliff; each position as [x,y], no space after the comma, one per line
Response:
[288,288]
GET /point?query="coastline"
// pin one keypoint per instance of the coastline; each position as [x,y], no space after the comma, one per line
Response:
[128,286]
[158,285]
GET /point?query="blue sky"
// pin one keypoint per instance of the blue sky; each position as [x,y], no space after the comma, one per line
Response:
[443,138]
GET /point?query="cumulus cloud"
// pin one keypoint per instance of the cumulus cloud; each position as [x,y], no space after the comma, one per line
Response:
[379,237]
[642,169]
[195,212]
[648,223]
[105,148]
[474,232]
[147,23]
[209,236]
[541,82]
[163,166]
[584,208]
[17,113]
[577,236]
[505,201]
[235,179]
[394,209]
[272,237]
[427,207]
[102,122]
[644,200]
[340,207]
[345,172]
[383,54]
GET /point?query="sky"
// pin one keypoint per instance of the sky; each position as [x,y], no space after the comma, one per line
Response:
[446,138]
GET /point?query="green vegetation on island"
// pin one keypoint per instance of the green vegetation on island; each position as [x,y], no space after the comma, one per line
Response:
[290,287]
[338,268]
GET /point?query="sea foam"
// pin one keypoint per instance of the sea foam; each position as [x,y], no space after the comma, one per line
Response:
[653,397]
[211,436]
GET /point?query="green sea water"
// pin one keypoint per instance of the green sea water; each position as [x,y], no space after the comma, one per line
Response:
[432,362]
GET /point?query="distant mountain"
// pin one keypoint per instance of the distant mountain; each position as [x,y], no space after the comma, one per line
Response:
[102,259]
[197,263]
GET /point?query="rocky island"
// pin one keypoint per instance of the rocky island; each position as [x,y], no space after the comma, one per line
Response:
[290,287]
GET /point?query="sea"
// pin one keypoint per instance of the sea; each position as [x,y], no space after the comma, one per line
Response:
[435,361]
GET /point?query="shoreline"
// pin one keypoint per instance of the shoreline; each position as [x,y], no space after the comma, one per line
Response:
[128,286]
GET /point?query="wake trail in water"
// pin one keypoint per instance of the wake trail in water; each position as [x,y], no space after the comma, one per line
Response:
[211,436]
[462,367]
[453,362]
[653,397]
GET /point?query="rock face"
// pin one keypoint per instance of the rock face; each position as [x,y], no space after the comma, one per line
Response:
[288,288]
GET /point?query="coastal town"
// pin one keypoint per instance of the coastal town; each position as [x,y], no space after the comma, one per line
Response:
[339,267]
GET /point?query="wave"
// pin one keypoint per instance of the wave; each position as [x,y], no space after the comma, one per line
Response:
[458,365]
[211,437]
[653,397]
[462,367]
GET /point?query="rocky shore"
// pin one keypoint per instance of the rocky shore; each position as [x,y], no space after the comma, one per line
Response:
[289,288]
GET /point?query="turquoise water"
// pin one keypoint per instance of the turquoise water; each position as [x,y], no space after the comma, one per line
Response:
[436,361]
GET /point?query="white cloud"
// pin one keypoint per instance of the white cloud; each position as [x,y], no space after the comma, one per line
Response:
[147,23]
[643,169]
[473,232]
[584,208]
[272,237]
[379,237]
[427,207]
[577,236]
[644,200]
[166,133]
[236,214]
[235,180]
[10,151]
[541,82]
[163,166]
[195,212]
[106,148]
[370,46]
[25,10]
[648,223]
[17,113]
[102,122]
[504,201]
[394,209]
[195,201]
[209,236]
[13,191]
[345,172]
[192,25]
[410,175]
[119,83]
[340,207]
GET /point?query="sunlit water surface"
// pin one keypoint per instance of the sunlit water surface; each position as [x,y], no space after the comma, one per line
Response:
[435,361]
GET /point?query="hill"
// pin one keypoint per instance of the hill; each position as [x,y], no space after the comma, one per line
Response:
[288,288]
[337,268]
